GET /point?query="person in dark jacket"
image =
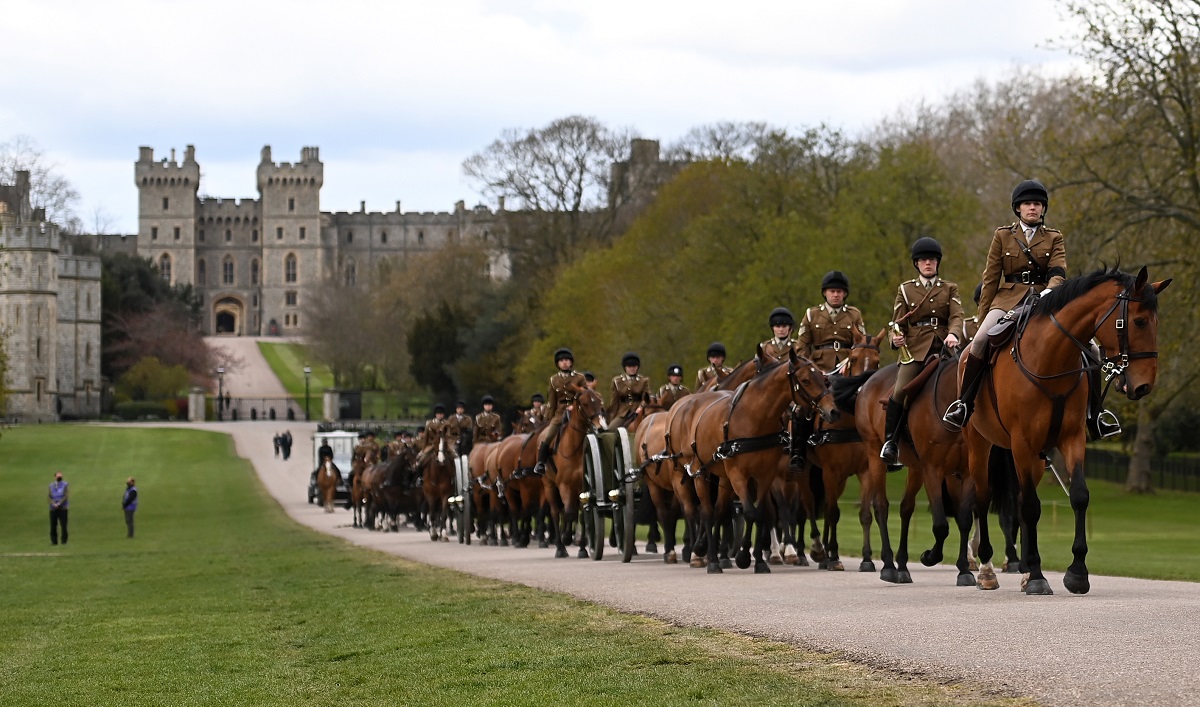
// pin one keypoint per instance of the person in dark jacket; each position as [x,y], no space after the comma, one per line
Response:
[129,504]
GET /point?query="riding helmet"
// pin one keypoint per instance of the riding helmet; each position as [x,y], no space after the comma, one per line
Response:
[978,293]
[835,279]
[589,376]
[487,400]
[674,370]
[630,359]
[780,316]
[562,353]
[439,408]
[926,247]
[716,348]
[537,398]
[1030,190]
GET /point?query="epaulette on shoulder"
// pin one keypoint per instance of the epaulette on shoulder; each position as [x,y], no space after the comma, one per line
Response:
[1047,229]
[852,308]
[1010,227]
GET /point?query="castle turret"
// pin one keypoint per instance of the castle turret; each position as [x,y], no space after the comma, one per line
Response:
[291,246]
[167,212]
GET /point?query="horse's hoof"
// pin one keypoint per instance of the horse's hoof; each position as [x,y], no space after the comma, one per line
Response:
[492,542]
[973,564]
[726,564]
[743,559]
[715,568]
[670,558]
[1076,583]
[542,545]
[965,579]
[687,554]
[698,562]
[445,538]
[835,566]
[762,568]
[929,559]
[1012,567]
[866,566]
[822,564]
[504,542]
[801,560]
[987,580]
[775,560]
[888,574]
[651,548]
[1038,587]
[817,554]
[583,553]
[903,577]
[561,552]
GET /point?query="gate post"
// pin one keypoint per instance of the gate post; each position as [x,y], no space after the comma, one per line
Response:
[330,402]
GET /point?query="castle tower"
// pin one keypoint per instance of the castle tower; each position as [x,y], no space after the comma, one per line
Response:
[167,212]
[290,198]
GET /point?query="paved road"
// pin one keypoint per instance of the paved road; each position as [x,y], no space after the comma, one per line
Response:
[248,376]
[1127,642]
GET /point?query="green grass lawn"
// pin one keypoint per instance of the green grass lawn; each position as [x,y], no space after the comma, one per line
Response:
[223,600]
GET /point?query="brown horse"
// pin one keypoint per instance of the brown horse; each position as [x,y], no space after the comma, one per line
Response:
[328,478]
[358,491]
[389,488]
[670,491]
[485,502]
[563,481]
[437,483]
[1035,399]
[739,441]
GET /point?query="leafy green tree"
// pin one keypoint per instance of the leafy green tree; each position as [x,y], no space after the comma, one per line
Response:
[149,379]
[434,346]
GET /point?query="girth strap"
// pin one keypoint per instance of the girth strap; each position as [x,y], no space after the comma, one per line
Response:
[744,445]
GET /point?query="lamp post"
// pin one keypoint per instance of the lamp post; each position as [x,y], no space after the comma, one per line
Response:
[307,375]
[220,391]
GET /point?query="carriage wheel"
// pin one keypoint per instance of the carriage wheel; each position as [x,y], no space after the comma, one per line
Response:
[593,483]
[463,477]
[623,513]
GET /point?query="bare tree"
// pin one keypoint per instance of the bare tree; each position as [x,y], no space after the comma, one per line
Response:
[724,141]
[48,189]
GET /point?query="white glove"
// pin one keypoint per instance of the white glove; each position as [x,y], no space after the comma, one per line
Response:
[1045,292]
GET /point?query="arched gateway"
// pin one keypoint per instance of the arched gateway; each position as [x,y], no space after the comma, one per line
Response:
[228,317]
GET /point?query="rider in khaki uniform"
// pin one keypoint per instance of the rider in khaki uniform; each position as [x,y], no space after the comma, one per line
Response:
[464,423]
[716,367]
[487,423]
[928,309]
[630,391]
[827,331]
[367,451]
[433,428]
[776,348]
[561,394]
[673,389]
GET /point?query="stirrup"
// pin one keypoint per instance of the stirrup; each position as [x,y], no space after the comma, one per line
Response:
[956,415]
[890,454]
[1107,425]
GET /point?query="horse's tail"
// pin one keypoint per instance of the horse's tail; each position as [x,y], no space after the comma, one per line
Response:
[816,484]
[1002,479]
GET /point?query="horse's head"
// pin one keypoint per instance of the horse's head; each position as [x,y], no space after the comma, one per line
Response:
[810,387]
[864,354]
[1129,340]
[589,407]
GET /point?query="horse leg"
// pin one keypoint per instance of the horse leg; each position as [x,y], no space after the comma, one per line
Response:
[908,504]
[1076,578]
[741,485]
[879,503]
[962,516]
[833,516]
[708,522]
[941,524]
[653,537]
[662,510]
[978,453]
[864,522]
[1031,513]
[766,525]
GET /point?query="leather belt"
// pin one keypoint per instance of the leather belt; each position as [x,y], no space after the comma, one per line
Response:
[1026,277]
[932,321]
[836,346]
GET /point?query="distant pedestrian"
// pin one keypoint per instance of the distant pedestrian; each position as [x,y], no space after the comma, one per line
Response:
[278,443]
[285,444]
[60,499]
[129,504]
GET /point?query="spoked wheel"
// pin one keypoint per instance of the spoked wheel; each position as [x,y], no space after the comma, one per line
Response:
[463,482]
[626,481]
[593,485]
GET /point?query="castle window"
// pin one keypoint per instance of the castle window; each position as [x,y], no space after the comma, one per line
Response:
[201,236]
[291,203]
[39,348]
[289,268]
[421,237]
[303,232]
[201,273]
[164,267]
[349,236]
[177,233]
[290,298]
[485,236]
[383,237]
[254,236]
[254,301]
[87,352]
[279,233]
[166,203]
[41,383]
[351,274]
[88,297]
[227,270]
[228,235]
[154,233]
[295,320]
[254,273]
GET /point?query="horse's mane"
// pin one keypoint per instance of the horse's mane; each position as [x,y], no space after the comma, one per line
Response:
[1076,287]
[845,389]
[736,369]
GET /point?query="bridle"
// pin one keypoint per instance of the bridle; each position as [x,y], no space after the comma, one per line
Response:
[813,403]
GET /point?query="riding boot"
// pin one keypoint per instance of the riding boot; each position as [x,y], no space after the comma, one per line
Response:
[890,453]
[960,410]
[543,454]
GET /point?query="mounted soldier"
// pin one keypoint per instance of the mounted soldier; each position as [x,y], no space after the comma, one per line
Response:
[928,310]
[465,435]
[487,423]
[433,429]
[776,348]
[1025,257]
[673,389]
[561,395]
[828,330]
[630,391]
[716,368]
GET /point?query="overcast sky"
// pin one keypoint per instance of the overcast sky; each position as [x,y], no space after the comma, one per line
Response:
[397,94]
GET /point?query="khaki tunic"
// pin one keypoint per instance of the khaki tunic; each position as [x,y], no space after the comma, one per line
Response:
[826,334]
[1006,258]
[561,393]
[940,314]
[628,392]
[709,372]
[669,393]
[775,350]
[487,426]
[463,422]
[366,452]
[435,427]
[970,328]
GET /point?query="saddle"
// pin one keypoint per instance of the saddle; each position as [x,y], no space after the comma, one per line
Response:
[928,367]
[1004,330]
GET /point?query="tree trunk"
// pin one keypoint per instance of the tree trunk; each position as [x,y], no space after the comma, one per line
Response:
[1138,480]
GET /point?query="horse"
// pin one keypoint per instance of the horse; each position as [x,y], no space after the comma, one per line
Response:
[671,493]
[437,484]
[358,493]
[485,496]
[563,481]
[388,486]
[522,493]
[1033,401]
[740,439]
[328,478]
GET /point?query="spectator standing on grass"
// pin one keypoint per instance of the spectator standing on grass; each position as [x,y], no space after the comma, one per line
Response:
[60,499]
[129,504]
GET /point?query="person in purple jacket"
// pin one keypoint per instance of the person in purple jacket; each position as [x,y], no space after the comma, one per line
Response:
[60,498]
[129,504]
